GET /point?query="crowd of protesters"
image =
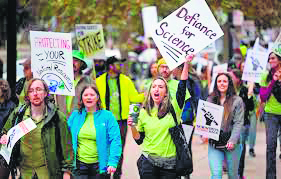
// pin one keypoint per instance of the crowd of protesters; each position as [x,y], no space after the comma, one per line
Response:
[83,136]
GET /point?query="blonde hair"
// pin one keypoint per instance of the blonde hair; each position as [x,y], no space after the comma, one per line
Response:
[164,107]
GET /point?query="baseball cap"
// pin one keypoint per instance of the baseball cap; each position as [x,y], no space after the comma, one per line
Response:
[26,61]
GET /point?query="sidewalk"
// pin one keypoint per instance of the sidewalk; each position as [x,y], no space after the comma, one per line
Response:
[254,167]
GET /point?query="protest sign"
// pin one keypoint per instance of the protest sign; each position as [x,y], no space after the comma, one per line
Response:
[208,119]
[51,60]
[255,65]
[90,40]
[277,45]
[186,31]
[149,18]
[14,134]
[216,70]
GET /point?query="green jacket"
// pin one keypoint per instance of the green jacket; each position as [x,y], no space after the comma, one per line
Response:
[56,140]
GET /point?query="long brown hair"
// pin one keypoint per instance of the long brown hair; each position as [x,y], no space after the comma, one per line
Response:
[270,74]
[165,105]
[92,86]
[230,93]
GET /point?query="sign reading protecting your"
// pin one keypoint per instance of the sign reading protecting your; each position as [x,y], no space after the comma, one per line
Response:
[255,65]
[208,119]
[186,31]
[277,45]
[90,40]
[51,60]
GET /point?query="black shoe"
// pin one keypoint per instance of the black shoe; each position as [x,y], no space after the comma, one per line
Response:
[252,153]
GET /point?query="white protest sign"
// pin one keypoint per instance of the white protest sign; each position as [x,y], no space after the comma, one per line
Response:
[216,70]
[257,47]
[211,48]
[90,40]
[149,19]
[208,119]
[186,31]
[14,134]
[51,60]
[277,45]
[187,129]
[255,65]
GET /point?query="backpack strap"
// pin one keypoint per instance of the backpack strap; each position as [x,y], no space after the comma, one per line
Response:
[172,110]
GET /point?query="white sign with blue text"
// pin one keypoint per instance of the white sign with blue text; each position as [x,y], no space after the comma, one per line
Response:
[188,30]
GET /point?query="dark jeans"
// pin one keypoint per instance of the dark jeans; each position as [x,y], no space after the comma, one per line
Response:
[89,171]
[272,125]
[147,170]
[4,169]
[123,132]
[243,137]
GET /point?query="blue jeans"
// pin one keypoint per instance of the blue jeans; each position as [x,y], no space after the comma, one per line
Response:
[243,137]
[272,125]
[252,131]
[216,157]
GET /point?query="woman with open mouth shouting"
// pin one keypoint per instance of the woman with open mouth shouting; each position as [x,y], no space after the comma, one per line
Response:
[158,157]
[95,136]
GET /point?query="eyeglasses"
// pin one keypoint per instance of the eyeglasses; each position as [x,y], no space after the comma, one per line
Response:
[37,90]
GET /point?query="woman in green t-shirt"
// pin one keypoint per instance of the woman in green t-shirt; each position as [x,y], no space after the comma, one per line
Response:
[270,95]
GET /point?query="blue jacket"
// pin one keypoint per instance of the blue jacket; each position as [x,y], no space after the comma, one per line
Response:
[108,138]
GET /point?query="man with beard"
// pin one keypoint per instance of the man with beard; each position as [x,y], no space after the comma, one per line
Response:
[68,103]
[117,92]
[46,151]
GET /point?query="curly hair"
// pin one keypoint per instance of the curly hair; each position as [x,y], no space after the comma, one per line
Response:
[94,87]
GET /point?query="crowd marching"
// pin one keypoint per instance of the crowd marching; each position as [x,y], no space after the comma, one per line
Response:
[83,136]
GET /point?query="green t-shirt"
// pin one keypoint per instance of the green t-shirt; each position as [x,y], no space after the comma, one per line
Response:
[272,105]
[158,141]
[87,147]
[114,98]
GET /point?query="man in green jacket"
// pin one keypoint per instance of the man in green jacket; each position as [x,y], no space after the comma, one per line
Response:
[117,92]
[46,151]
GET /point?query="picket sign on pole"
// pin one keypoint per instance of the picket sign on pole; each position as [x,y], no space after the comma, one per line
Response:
[51,60]
[186,31]
[208,119]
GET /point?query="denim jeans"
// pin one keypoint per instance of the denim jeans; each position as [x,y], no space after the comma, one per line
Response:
[272,125]
[252,131]
[216,157]
[243,137]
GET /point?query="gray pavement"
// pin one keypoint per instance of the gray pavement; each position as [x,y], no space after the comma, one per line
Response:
[254,167]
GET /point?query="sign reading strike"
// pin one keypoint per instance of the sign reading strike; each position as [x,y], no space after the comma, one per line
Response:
[186,31]
[255,65]
[90,39]
[51,60]
[277,45]
[208,119]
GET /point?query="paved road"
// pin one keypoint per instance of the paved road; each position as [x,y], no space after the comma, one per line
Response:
[254,167]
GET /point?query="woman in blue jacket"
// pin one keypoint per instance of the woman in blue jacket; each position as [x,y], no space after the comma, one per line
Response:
[95,136]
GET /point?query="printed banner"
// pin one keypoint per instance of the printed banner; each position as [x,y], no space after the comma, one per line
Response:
[14,134]
[90,40]
[186,31]
[208,119]
[255,65]
[51,60]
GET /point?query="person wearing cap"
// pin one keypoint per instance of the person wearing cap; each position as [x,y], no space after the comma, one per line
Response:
[117,92]
[22,82]
[165,72]
[68,103]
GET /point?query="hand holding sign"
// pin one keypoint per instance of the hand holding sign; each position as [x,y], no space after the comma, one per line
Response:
[4,139]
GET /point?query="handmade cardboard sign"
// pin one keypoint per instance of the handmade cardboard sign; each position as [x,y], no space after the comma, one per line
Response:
[208,119]
[51,60]
[90,40]
[186,31]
